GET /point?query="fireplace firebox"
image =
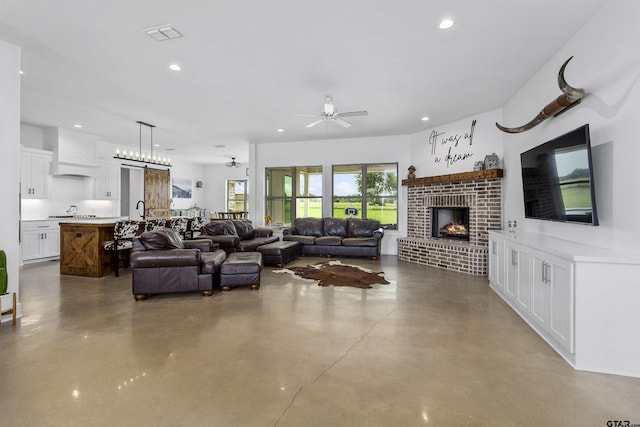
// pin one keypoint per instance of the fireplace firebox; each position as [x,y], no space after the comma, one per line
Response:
[450,223]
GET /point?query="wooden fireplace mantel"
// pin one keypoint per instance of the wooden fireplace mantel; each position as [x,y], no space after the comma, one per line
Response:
[463,176]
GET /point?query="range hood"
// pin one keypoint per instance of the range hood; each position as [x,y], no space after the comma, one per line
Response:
[74,153]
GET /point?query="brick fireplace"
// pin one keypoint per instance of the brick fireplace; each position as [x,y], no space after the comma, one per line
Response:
[479,192]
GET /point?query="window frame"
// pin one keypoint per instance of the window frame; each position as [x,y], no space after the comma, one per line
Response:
[364,196]
[295,197]
[244,200]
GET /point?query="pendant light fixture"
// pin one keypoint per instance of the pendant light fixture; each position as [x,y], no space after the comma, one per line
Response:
[141,156]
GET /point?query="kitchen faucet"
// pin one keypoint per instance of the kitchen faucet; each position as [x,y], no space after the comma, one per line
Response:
[143,209]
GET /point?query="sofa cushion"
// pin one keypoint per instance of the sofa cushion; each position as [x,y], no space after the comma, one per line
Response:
[244,228]
[360,241]
[329,241]
[362,227]
[220,228]
[210,262]
[308,226]
[252,245]
[335,227]
[161,239]
[303,240]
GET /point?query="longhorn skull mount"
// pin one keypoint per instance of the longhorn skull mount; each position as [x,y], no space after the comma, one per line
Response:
[570,98]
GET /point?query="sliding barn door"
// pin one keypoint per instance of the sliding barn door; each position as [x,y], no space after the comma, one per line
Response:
[156,193]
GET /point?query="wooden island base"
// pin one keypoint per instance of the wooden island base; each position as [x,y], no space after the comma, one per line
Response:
[82,249]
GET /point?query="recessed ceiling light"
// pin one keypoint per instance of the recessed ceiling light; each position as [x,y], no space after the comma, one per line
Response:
[280,130]
[219,146]
[156,145]
[175,67]
[77,125]
[21,72]
[425,118]
[445,24]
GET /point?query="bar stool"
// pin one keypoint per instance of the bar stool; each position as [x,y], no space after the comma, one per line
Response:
[123,234]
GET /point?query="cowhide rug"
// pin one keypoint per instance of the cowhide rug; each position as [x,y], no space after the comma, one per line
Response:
[335,273]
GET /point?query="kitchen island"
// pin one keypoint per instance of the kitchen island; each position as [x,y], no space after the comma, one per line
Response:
[82,248]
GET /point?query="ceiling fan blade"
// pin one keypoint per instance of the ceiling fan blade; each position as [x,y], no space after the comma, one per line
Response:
[310,125]
[353,114]
[306,115]
[341,122]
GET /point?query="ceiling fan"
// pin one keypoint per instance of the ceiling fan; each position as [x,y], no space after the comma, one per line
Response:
[330,113]
[232,163]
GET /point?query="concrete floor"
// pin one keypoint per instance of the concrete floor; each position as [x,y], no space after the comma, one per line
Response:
[433,348]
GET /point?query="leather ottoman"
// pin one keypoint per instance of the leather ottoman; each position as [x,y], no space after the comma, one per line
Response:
[279,253]
[241,268]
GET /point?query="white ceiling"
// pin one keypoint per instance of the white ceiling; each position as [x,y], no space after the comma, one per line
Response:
[250,67]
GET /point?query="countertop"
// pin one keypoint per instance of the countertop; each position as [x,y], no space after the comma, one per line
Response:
[87,220]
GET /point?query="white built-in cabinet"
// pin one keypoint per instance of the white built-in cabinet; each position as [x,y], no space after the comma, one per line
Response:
[108,181]
[35,176]
[40,240]
[582,300]
[552,296]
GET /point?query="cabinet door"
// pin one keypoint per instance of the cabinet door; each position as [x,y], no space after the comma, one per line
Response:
[512,263]
[108,181]
[540,290]
[31,248]
[35,174]
[51,243]
[561,309]
[552,297]
[496,263]
[523,291]
[518,283]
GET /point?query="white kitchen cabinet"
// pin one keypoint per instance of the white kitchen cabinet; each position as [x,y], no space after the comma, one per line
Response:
[582,300]
[108,181]
[40,240]
[35,174]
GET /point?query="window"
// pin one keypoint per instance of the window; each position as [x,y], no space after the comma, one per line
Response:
[237,195]
[288,198]
[379,201]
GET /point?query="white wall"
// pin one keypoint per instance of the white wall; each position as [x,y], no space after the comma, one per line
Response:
[10,160]
[215,186]
[455,147]
[387,149]
[606,64]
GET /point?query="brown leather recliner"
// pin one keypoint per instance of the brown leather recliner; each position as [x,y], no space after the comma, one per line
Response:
[162,262]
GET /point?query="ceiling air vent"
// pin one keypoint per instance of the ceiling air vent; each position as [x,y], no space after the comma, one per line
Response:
[163,32]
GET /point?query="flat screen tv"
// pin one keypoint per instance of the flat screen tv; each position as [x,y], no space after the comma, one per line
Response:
[557,179]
